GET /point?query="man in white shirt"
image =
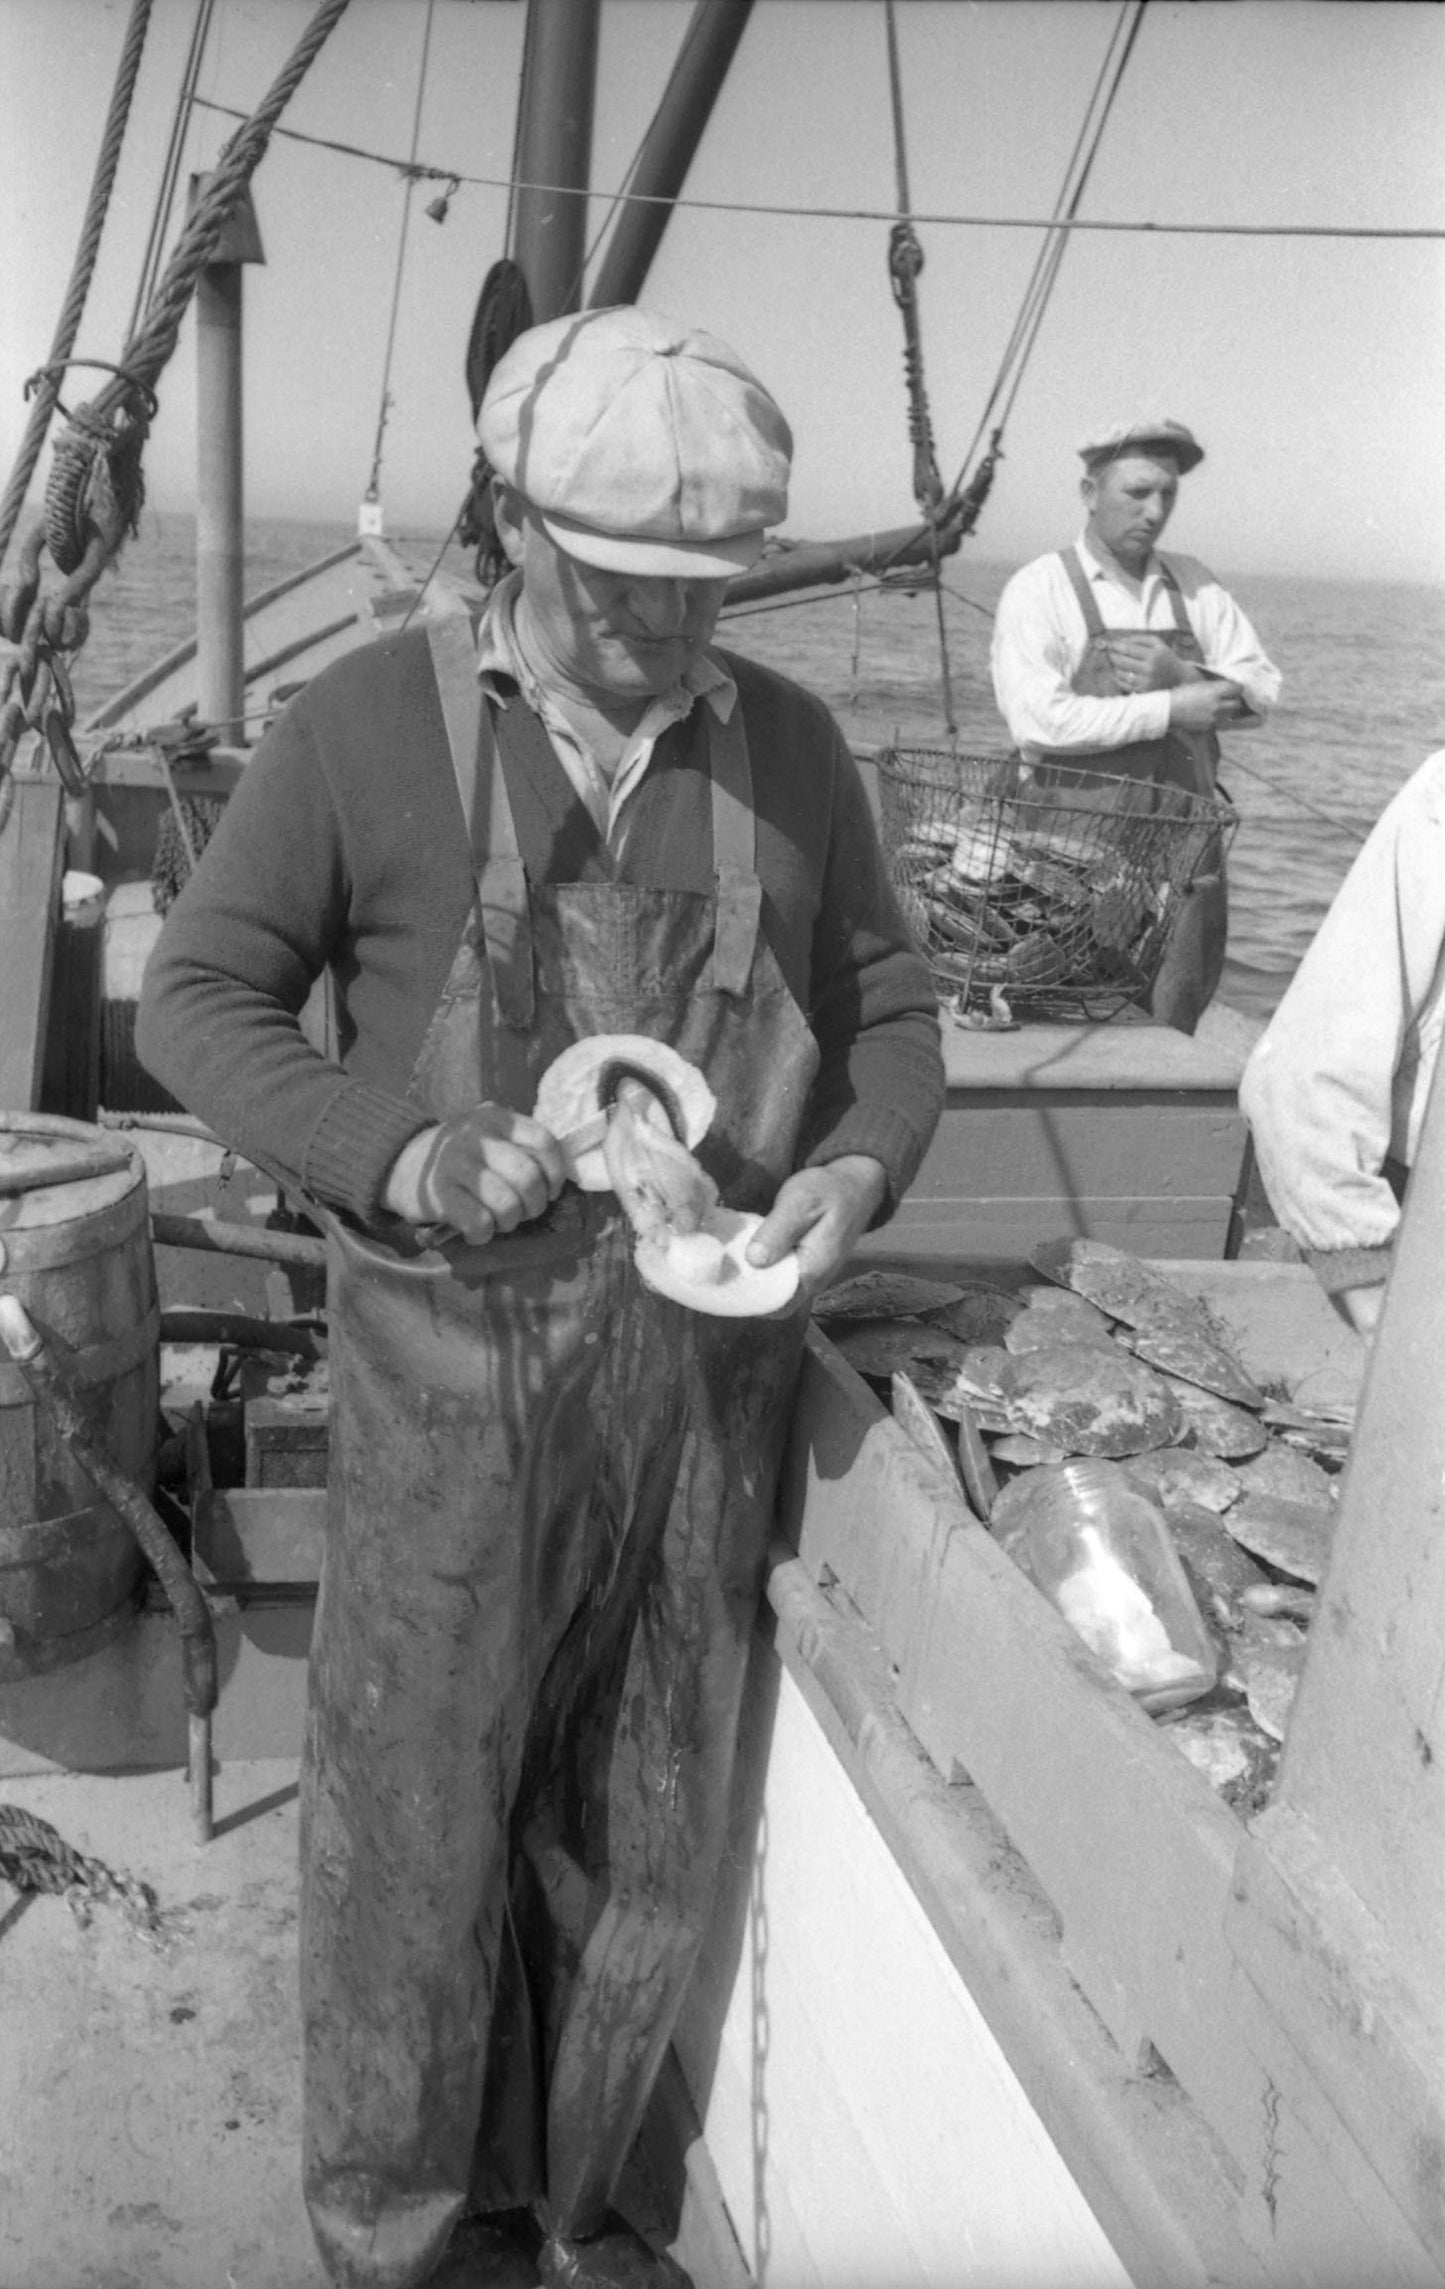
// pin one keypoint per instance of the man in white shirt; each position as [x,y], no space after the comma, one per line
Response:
[1109,657]
[1336,1090]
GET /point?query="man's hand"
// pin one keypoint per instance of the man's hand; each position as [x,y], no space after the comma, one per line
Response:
[484,1172]
[820,1212]
[1205,705]
[1145,662]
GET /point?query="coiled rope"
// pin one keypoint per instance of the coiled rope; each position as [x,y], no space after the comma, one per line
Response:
[95,494]
[34,1857]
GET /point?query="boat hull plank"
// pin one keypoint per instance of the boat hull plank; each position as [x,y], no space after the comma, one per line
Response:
[863,2121]
[1138,2154]
[1129,1133]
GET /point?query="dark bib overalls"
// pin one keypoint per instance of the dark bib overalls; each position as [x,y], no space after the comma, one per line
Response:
[1194,958]
[550,1496]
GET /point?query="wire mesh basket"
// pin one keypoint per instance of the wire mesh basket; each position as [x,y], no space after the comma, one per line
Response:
[1041,890]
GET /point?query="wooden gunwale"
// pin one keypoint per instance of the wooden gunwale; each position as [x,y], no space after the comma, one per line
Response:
[1149,1875]
[115,710]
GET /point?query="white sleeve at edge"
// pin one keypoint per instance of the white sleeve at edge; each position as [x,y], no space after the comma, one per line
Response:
[1317,1089]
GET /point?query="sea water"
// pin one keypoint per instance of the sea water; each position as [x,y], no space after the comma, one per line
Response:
[1363,701]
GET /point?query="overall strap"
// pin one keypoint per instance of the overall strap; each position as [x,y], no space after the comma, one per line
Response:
[501,878]
[1083,591]
[734,850]
[1175,594]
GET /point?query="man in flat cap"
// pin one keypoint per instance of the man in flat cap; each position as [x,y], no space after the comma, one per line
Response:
[576,823]
[1112,657]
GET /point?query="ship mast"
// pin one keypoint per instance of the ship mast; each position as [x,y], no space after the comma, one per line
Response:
[552,158]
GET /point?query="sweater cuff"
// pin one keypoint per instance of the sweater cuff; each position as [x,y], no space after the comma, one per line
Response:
[883,1136]
[1339,1268]
[353,1146]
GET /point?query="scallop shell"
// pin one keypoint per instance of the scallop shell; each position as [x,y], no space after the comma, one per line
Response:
[982,853]
[1294,1536]
[883,1347]
[1174,1475]
[1271,1669]
[918,1422]
[1234,1753]
[1024,1452]
[1282,1470]
[1211,1556]
[1179,1348]
[1089,1399]
[981,1315]
[1068,1319]
[579,1083]
[885,1295]
[1214,1426]
[965,1390]
[1121,1284]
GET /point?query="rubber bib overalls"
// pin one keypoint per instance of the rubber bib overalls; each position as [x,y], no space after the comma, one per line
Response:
[551,1492]
[1194,959]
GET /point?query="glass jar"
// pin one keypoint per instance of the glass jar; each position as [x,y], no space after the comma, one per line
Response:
[1100,1551]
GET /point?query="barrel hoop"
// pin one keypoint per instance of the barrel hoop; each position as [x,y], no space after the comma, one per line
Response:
[93,1363]
[46,1247]
[42,1538]
[35,1657]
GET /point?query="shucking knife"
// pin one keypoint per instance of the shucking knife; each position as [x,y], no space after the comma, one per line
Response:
[574,1144]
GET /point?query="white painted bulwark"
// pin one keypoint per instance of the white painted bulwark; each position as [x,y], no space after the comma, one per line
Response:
[867,2130]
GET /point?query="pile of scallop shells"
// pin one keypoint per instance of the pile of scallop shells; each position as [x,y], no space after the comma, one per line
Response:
[1105,1355]
[1028,913]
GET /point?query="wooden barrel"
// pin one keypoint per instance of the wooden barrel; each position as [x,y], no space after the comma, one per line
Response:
[78,1256]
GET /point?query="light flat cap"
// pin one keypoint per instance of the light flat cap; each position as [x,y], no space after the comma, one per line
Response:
[1158,436]
[644,446]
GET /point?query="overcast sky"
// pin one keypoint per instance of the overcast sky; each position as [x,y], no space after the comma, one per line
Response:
[1312,369]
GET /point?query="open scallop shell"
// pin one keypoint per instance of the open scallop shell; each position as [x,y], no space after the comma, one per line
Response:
[582,1082]
[708,1271]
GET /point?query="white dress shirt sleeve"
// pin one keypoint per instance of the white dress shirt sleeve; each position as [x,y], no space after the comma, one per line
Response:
[1038,640]
[1226,638]
[1340,1077]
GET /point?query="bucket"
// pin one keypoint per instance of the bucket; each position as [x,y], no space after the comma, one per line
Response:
[77,1253]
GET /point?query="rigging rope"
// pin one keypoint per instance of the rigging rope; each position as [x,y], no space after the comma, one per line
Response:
[1019,347]
[88,246]
[905,261]
[171,171]
[95,492]
[374,481]
[942,218]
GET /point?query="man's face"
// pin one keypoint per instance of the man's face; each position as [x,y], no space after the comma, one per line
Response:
[1129,503]
[609,637]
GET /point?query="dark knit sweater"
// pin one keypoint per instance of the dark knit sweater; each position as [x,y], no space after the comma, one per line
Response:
[344,847]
